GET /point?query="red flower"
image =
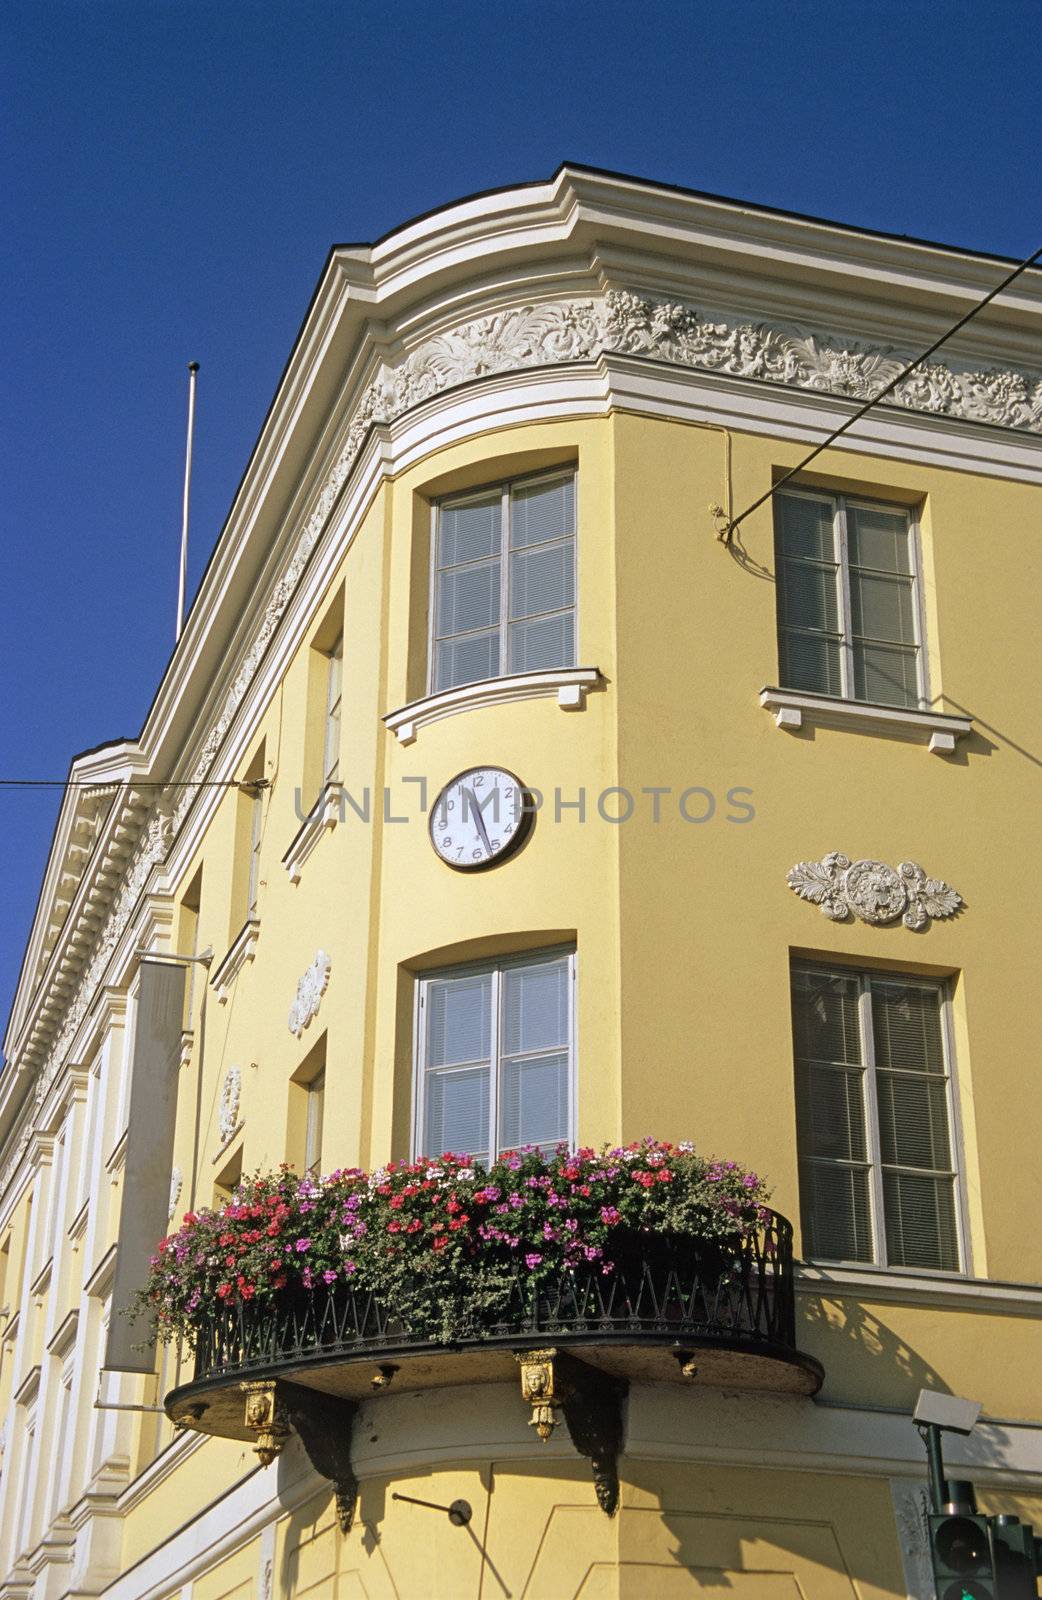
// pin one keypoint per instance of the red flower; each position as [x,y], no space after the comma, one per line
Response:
[441,1241]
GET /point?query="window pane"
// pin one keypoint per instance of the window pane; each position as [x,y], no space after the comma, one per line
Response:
[906,1026]
[535,1007]
[920,1222]
[534,1102]
[468,598]
[542,580]
[467,660]
[811,662]
[807,596]
[470,532]
[887,675]
[542,511]
[459,1019]
[835,1214]
[804,527]
[913,1121]
[879,538]
[545,644]
[825,1018]
[882,608]
[830,1113]
[457,1113]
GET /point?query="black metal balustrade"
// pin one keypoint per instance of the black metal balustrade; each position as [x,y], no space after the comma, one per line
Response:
[739,1296]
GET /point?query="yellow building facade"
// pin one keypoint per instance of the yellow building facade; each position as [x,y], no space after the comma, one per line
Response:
[781,875]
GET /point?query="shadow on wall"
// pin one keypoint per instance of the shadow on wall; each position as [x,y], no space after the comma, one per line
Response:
[865,1361]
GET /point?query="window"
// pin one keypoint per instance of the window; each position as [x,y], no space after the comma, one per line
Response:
[878,1178]
[256,817]
[249,828]
[314,1113]
[188,941]
[504,582]
[496,1057]
[334,690]
[848,593]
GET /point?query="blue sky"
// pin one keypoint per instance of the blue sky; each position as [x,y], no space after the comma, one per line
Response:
[174,173]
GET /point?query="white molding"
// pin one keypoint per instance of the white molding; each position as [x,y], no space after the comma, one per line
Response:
[321,819]
[938,1291]
[938,730]
[568,685]
[243,948]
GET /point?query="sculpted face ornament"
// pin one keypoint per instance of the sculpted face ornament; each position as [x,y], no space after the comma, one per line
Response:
[263,1416]
[873,891]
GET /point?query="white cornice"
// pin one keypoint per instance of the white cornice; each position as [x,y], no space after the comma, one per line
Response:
[936,730]
[569,686]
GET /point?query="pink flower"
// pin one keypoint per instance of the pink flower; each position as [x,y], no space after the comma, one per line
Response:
[610,1215]
[303,1244]
[532,1259]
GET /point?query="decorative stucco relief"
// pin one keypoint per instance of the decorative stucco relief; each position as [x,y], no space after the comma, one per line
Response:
[873,891]
[228,1115]
[310,989]
[552,334]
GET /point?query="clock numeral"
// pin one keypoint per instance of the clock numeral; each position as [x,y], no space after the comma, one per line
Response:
[446,843]
[495,843]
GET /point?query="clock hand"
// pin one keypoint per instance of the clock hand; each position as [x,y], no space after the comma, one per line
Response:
[480,820]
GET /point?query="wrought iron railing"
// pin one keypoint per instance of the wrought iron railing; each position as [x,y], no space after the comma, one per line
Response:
[739,1295]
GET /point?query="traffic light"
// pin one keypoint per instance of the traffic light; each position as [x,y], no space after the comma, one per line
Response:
[1014,1551]
[962,1557]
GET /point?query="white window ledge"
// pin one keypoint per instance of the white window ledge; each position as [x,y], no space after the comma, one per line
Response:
[569,685]
[899,1286]
[243,949]
[321,819]
[791,708]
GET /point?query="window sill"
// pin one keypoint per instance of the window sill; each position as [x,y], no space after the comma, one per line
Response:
[570,685]
[322,818]
[896,1286]
[939,732]
[243,949]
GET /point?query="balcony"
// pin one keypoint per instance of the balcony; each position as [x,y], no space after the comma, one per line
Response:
[687,1312]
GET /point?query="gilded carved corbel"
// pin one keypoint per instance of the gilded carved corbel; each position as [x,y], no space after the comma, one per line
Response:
[590,1401]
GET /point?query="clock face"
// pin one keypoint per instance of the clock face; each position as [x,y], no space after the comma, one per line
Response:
[479,818]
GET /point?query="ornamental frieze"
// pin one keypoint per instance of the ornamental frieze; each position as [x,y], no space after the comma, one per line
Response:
[873,891]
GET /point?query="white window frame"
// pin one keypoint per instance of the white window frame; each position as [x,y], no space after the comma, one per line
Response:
[334,702]
[523,480]
[496,967]
[841,556]
[314,1120]
[877,1219]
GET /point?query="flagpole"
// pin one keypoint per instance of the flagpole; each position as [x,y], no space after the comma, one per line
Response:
[193,368]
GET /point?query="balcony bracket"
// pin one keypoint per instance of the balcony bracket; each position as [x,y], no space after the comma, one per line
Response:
[591,1404]
[323,1423]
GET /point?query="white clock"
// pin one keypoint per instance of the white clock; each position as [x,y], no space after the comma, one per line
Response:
[479,818]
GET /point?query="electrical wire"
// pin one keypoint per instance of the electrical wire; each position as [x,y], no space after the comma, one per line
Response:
[133,783]
[727,533]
